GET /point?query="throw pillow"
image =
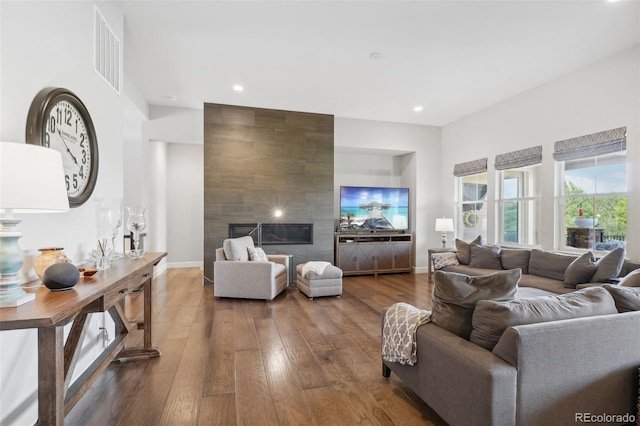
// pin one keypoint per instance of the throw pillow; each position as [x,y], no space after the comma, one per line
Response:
[632,279]
[549,265]
[491,318]
[440,260]
[455,296]
[627,298]
[580,270]
[486,257]
[463,249]
[609,266]
[513,259]
[257,254]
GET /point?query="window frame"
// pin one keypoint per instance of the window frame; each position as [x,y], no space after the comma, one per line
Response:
[459,209]
[527,223]
[561,198]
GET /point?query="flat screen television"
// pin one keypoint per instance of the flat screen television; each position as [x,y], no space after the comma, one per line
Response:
[372,208]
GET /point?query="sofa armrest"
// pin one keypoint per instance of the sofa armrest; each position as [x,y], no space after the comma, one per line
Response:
[582,365]
[456,373]
[279,258]
[452,372]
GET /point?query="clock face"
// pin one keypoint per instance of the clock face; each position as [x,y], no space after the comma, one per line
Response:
[66,132]
[59,120]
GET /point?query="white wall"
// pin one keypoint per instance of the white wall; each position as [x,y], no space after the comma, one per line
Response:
[601,96]
[412,159]
[176,125]
[185,211]
[59,53]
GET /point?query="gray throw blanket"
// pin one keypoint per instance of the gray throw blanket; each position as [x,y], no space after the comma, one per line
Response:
[401,322]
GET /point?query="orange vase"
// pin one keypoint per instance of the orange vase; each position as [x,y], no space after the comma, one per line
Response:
[47,257]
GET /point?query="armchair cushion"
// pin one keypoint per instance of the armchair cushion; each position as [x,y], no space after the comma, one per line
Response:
[237,248]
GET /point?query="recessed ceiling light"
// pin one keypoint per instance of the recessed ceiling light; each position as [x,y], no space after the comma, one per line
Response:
[375,55]
[172,98]
[238,88]
[418,108]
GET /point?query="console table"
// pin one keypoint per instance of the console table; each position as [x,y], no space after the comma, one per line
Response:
[51,311]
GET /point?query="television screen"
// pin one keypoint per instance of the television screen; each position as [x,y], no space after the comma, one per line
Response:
[366,208]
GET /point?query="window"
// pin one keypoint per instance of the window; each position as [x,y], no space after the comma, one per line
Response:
[518,199]
[593,190]
[594,202]
[471,207]
[519,205]
[471,196]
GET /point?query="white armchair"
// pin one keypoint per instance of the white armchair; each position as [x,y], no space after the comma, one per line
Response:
[235,275]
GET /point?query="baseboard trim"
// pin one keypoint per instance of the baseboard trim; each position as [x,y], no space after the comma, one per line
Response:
[178,265]
[421,270]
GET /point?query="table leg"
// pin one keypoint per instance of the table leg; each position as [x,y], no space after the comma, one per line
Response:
[147,349]
[147,315]
[50,376]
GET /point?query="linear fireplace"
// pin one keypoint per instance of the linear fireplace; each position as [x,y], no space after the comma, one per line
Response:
[276,233]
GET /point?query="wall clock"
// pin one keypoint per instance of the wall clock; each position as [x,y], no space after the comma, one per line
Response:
[59,120]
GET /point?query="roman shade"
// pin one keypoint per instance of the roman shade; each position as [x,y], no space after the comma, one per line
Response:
[470,167]
[521,158]
[600,143]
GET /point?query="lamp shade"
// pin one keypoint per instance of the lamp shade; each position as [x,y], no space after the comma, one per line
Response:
[31,179]
[444,224]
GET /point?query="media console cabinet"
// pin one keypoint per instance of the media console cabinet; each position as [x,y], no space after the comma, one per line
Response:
[373,253]
[51,311]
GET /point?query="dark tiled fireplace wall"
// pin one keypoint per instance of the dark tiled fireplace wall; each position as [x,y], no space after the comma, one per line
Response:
[258,160]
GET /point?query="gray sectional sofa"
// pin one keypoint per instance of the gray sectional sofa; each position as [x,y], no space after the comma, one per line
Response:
[528,349]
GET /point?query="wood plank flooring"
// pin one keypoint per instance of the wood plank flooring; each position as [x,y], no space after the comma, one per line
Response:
[290,361]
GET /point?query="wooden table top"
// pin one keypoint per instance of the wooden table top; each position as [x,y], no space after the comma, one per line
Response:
[52,308]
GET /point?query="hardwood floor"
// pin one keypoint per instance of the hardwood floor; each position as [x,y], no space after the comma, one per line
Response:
[290,361]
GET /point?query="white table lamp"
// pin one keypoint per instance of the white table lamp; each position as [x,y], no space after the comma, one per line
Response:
[444,225]
[31,181]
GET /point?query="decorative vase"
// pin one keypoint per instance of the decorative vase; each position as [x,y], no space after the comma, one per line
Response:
[136,224]
[47,257]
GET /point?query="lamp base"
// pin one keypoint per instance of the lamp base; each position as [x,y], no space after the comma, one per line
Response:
[21,300]
[11,294]
[444,240]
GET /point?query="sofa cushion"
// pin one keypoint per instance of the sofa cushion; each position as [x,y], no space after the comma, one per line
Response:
[547,284]
[627,298]
[236,248]
[632,279]
[580,270]
[464,249]
[491,318]
[257,254]
[548,264]
[609,266]
[440,260]
[468,270]
[455,296]
[515,258]
[487,257]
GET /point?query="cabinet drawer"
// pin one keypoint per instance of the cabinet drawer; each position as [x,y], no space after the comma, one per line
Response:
[129,284]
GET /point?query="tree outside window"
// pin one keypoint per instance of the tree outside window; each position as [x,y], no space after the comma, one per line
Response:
[519,205]
[595,202]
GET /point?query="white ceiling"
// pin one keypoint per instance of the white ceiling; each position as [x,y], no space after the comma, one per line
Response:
[451,57]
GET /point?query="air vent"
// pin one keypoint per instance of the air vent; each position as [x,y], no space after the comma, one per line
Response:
[106,58]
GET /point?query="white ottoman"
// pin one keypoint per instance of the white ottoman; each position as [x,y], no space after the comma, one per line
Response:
[329,283]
